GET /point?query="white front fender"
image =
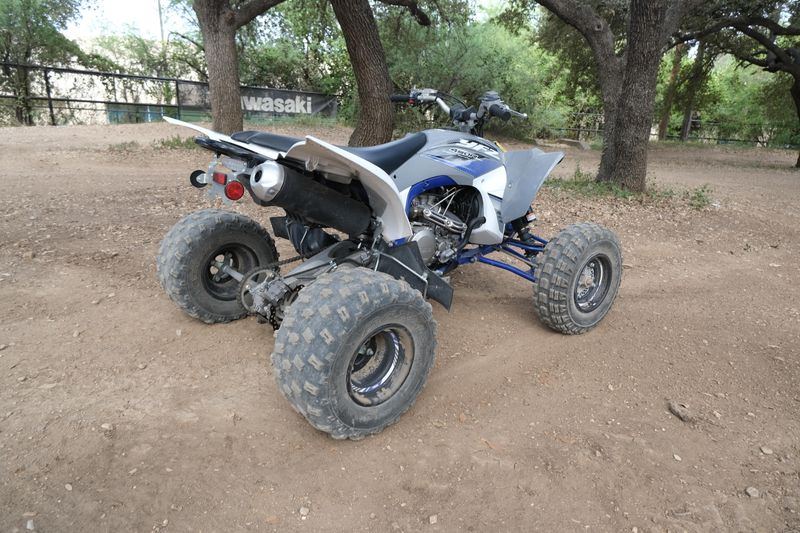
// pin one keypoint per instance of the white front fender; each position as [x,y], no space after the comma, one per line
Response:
[383,194]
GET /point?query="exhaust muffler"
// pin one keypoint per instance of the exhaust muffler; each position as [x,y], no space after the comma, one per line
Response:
[297,193]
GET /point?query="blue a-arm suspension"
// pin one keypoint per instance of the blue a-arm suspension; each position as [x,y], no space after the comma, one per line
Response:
[523,251]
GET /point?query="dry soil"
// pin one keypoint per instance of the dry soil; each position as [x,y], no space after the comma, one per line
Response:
[119,413]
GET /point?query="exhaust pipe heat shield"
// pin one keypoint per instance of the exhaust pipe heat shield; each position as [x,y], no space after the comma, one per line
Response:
[297,193]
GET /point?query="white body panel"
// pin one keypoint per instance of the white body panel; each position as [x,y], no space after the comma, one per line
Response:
[493,183]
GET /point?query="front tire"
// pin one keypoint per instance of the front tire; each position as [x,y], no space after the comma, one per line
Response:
[577,278]
[354,351]
[194,245]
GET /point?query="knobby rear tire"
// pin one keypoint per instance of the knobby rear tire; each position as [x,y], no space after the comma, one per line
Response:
[187,250]
[324,334]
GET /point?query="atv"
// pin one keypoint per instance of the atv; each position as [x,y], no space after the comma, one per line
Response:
[378,230]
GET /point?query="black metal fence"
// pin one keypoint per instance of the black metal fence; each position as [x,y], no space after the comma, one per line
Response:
[588,126]
[39,95]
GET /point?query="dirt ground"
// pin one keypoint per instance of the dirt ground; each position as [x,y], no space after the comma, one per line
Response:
[119,413]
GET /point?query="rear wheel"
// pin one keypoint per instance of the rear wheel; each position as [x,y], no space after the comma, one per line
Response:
[192,256]
[354,351]
[577,278]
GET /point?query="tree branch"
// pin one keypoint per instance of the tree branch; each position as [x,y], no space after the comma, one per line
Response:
[422,18]
[680,37]
[766,23]
[747,58]
[773,26]
[251,9]
[189,39]
[766,42]
[675,15]
[587,21]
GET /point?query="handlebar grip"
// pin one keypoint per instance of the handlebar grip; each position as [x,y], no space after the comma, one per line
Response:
[400,98]
[500,111]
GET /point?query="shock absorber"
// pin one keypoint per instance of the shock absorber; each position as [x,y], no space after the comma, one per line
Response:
[521,224]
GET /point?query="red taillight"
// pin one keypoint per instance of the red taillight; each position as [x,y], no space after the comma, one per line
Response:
[220,177]
[234,190]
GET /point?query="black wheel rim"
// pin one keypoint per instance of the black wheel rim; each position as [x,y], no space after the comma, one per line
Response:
[380,366]
[215,281]
[593,282]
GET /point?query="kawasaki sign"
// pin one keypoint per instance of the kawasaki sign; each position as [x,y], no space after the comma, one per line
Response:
[259,102]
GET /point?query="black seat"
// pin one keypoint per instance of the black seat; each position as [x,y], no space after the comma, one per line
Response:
[281,143]
[387,156]
[391,155]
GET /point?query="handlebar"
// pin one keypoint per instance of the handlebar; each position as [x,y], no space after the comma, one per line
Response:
[503,112]
[467,119]
[500,111]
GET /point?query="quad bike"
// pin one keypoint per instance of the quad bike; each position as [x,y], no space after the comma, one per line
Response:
[378,229]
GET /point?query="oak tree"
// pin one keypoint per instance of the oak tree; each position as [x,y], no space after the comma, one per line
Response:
[627,63]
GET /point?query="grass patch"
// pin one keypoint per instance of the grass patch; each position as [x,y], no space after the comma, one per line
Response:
[583,184]
[699,197]
[176,142]
[596,144]
[123,147]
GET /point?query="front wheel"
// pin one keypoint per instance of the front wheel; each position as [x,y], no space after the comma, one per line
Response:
[577,278]
[354,351]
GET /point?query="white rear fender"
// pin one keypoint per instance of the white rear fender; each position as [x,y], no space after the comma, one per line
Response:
[216,136]
[383,194]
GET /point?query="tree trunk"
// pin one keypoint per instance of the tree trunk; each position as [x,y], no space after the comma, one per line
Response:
[796,98]
[695,79]
[634,114]
[375,117]
[218,25]
[611,87]
[669,95]
[21,89]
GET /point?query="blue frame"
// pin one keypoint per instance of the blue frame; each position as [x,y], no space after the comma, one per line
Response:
[510,246]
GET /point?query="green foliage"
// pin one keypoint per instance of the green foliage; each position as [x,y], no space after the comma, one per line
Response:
[699,197]
[30,33]
[134,54]
[584,185]
[469,59]
[123,147]
[176,142]
[538,64]
[297,45]
[743,103]
[755,105]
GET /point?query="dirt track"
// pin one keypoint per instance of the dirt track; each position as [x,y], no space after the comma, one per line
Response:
[119,413]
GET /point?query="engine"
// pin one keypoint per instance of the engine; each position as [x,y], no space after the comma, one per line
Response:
[439,221]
